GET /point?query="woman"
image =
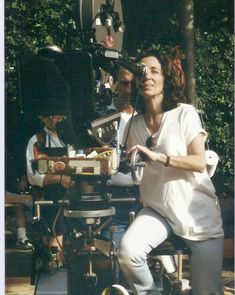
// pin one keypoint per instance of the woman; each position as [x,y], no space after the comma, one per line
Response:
[177,193]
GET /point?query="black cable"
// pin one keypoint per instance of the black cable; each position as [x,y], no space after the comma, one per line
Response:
[57,216]
[131,120]
[36,283]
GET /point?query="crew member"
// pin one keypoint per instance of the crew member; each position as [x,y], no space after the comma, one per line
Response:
[122,183]
[177,192]
[50,99]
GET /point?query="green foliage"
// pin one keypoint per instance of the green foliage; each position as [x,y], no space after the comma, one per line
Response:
[31,25]
[214,88]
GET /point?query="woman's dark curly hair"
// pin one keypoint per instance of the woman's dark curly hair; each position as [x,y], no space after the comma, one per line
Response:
[173,82]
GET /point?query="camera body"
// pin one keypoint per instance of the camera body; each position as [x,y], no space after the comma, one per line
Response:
[87,70]
[88,74]
[89,122]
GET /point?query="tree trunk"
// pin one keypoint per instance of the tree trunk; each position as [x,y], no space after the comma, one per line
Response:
[188,30]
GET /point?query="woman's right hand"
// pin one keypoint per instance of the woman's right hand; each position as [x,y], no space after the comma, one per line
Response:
[148,154]
[67,181]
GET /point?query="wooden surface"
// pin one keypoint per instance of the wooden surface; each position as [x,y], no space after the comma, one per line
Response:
[22,286]
[17,198]
[229,248]
[18,286]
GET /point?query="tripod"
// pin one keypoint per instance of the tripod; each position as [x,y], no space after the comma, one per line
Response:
[91,258]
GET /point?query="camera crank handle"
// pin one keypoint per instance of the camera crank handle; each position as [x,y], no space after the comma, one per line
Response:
[137,167]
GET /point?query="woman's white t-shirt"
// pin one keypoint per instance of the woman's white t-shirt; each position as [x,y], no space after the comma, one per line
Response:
[187,199]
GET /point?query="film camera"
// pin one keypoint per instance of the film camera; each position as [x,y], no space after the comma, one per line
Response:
[89,72]
[89,128]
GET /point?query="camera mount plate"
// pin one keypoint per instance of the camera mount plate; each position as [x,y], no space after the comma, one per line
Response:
[89,213]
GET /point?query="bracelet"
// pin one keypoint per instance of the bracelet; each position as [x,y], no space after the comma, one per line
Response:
[167,161]
[61,178]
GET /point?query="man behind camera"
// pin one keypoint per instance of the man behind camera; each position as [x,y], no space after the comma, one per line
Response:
[49,96]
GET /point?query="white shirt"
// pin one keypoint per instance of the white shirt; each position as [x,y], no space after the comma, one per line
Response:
[187,199]
[51,140]
[119,178]
[125,117]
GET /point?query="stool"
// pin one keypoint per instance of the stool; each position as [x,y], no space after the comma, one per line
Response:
[173,246]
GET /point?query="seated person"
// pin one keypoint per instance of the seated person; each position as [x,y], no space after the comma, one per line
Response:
[52,90]
[121,183]
[178,195]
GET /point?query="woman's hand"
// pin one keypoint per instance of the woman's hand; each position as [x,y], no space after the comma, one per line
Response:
[67,181]
[148,154]
[22,183]
[193,161]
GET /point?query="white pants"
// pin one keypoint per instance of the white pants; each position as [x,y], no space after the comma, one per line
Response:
[147,231]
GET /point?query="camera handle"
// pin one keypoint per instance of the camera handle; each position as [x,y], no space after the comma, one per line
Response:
[137,167]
